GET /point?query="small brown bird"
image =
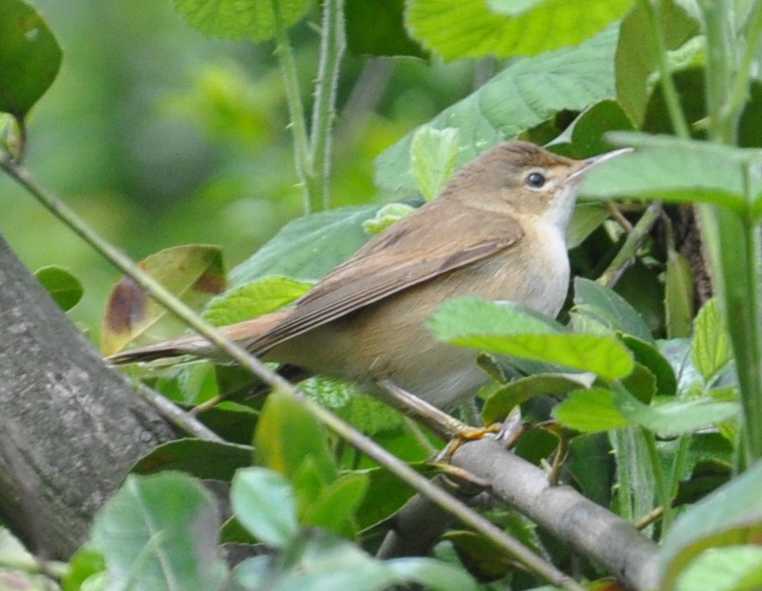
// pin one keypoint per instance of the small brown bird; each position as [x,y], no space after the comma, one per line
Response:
[497,231]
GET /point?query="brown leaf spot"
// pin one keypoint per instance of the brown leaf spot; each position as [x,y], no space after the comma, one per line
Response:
[210,282]
[126,306]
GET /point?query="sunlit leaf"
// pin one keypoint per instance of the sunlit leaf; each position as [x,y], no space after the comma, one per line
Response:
[590,411]
[254,19]
[734,568]
[711,343]
[253,299]
[432,154]
[510,329]
[439,25]
[386,216]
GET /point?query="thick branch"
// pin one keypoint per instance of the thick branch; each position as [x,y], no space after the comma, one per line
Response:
[588,528]
[70,427]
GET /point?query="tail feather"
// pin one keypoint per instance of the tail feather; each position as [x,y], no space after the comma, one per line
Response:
[246,333]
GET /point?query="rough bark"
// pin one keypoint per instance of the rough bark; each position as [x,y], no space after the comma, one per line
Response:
[70,427]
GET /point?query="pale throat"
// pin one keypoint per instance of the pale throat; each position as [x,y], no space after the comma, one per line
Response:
[561,208]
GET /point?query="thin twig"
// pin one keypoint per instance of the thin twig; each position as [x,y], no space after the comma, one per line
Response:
[626,255]
[176,415]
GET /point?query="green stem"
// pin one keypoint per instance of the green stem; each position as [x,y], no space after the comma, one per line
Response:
[313,200]
[634,239]
[332,45]
[678,467]
[259,369]
[740,91]
[671,97]
[663,487]
[719,69]
[739,254]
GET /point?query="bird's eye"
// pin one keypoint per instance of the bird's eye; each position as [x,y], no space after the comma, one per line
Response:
[535,180]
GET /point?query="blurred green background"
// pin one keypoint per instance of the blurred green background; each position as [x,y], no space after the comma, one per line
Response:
[159,136]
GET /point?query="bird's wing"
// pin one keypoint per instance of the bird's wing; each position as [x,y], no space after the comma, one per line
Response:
[404,255]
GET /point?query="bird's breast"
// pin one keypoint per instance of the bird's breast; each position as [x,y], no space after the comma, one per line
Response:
[390,340]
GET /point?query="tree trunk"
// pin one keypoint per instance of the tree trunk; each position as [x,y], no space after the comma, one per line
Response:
[70,427]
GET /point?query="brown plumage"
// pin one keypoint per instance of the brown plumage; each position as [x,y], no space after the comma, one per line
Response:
[497,231]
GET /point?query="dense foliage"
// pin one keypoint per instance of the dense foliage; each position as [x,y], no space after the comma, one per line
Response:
[645,395]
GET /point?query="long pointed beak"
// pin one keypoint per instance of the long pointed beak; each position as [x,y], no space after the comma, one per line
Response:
[589,163]
[595,160]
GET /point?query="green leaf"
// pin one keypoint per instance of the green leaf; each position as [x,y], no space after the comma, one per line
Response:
[636,60]
[287,434]
[438,24]
[650,357]
[87,562]
[641,383]
[194,273]
[432,155]
[386,216]
[433,574]
[512,7]
[522,96]
[263,502]
[337,503]
[253,299]
[599,410]
[511,329]
[590,411]
[203,459]
[330,563]
[161,531]
[677,417]
[197,383]
[308,247]
[586,219]
[586,136]
[729,516]
[386,494]
[505,398]
[377,28]
[678,295]
[253,19]
[735,568]
[364,412]
[711,349]
[609,308]
[29,57]
[62,286]
[677,170]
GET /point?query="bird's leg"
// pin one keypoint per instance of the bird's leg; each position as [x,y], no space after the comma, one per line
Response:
[442,424]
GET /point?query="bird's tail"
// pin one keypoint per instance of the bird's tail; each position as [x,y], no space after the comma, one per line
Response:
[245,333]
